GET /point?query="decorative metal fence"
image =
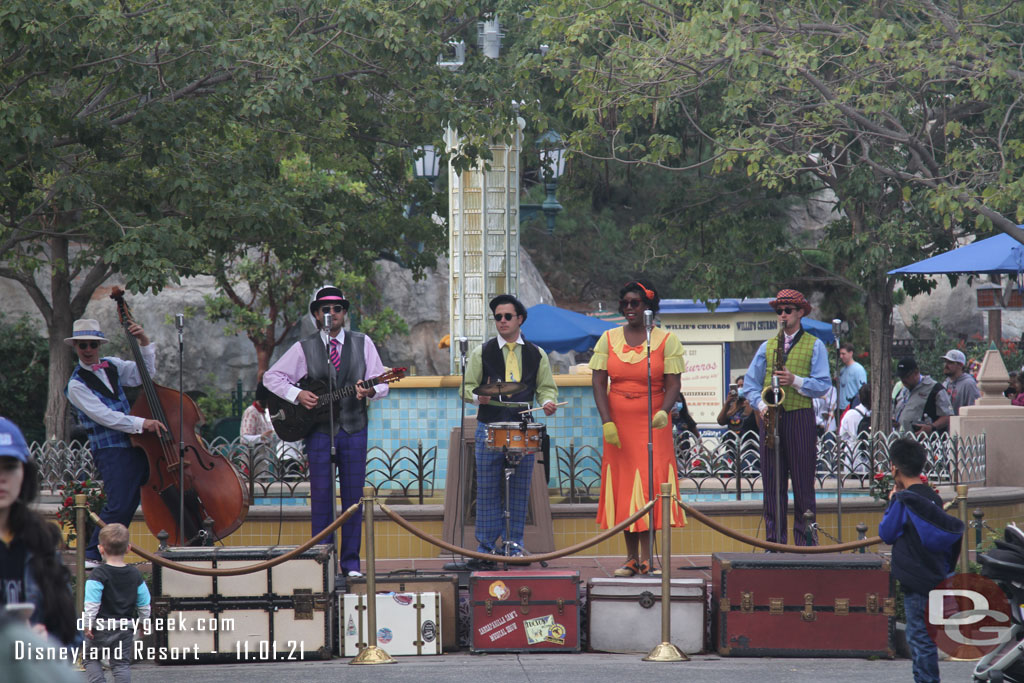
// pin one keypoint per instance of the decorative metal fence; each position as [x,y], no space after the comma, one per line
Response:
[269,469]
[732,463]
[274,469]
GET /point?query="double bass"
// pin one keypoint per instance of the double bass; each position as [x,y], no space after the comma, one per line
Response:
[213,488]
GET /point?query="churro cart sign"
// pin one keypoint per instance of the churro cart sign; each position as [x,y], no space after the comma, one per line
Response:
[721,327]
[703,380]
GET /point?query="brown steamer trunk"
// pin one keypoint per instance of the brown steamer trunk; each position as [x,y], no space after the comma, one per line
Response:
[792,605]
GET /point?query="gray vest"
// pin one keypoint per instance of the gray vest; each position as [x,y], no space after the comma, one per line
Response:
[353,367]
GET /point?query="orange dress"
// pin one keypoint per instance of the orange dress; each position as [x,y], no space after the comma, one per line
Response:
[624,470]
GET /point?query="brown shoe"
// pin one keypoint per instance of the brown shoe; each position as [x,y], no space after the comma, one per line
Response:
[631,568]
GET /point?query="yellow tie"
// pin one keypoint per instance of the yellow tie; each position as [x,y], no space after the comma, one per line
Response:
[511,364]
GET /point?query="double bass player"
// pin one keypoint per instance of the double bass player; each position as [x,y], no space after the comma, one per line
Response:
[803,375]
[97,394]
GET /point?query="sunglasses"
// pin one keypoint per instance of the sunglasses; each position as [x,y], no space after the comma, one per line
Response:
[631,303]
[787,310]
[88,345]
[338,308]
[498,317]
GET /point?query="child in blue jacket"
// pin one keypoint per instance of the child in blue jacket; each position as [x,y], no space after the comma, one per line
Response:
[925,546]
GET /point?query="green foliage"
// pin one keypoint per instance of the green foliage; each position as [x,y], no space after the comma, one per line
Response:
[23,368]
[932,343]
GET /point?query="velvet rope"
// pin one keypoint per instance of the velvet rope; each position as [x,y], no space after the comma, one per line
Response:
[526,559]
[247,569]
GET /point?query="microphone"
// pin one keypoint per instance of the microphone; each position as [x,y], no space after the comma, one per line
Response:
[836,326]
[649,319]
[775,388]
[463,345]
[327,321]
[179,321]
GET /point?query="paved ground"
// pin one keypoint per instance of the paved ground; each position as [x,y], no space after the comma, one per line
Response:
[563,668]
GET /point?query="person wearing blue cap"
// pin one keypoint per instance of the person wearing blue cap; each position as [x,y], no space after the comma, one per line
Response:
[31,570]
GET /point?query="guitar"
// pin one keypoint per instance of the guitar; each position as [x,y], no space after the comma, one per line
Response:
[294,422]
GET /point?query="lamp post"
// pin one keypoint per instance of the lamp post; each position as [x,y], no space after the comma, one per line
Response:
[427,163]
[552,161]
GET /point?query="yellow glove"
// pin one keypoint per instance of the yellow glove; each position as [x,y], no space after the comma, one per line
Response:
[611,434]
[660,419]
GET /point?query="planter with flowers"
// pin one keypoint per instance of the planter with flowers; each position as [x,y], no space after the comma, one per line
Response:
[95,498]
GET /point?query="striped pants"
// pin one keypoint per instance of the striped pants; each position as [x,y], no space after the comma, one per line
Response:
[798,446]
[490,493]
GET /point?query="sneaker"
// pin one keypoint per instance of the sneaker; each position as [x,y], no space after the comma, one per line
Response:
[92,564]
[631,568]
[354,574]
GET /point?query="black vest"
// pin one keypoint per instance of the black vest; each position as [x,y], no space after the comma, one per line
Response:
[352,417]
[494,370]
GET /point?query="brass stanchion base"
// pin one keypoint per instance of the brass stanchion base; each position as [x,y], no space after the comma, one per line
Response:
[666,652]
[371,654]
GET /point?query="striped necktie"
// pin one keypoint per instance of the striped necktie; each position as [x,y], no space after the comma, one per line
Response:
[335,356]
[512,364]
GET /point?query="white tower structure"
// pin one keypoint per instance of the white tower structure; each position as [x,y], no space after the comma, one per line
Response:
[483,238]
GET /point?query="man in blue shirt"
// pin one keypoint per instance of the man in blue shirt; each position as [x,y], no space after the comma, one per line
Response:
[804,376]
[852,376]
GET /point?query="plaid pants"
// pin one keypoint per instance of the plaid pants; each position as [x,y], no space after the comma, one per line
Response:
[490,494]
[350,457]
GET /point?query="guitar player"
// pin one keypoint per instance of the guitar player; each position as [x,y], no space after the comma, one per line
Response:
[350,357]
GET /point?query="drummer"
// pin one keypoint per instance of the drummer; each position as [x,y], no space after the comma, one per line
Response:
[506,358]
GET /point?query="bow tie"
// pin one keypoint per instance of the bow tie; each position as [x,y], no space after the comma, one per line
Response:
[626,348]
[100,366]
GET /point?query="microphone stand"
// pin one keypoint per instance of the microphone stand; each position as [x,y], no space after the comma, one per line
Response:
[455,565]
[179,322]
[782,482]
[331,371]
[836,323]
[648,326]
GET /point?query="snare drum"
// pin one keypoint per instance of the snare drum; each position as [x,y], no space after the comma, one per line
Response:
[512,436]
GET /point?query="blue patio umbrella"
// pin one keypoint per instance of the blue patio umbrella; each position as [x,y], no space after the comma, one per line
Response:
[999,255]
[562,330]
[819,329]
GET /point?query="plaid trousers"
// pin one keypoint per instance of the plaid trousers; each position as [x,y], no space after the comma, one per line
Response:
[490,494]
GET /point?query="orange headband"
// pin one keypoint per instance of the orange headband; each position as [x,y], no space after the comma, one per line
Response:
[647,293]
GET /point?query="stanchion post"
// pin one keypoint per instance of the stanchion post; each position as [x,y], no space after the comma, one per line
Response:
[665,651]
[81,528]
[965,544]
[371,654]
[979,523]
[862,533]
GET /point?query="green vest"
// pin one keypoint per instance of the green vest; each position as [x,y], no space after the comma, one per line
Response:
[798,362]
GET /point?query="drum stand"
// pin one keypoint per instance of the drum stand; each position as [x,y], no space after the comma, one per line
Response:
[512,460]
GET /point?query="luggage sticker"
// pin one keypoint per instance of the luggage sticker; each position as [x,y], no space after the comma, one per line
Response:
[556,635]
[384,635]
[498,590]
[351,628]
[429,631]
[544,630]
[403,598]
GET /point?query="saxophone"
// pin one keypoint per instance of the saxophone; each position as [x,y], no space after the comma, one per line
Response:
[771,418]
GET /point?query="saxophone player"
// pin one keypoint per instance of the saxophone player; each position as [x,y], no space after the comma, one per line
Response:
[799,362]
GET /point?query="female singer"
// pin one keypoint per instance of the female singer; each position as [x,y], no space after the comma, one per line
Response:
[621,356]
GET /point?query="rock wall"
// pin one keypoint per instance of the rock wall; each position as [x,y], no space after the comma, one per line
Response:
[217,361]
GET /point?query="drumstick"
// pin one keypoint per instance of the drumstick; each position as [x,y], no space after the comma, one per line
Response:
[563,403]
